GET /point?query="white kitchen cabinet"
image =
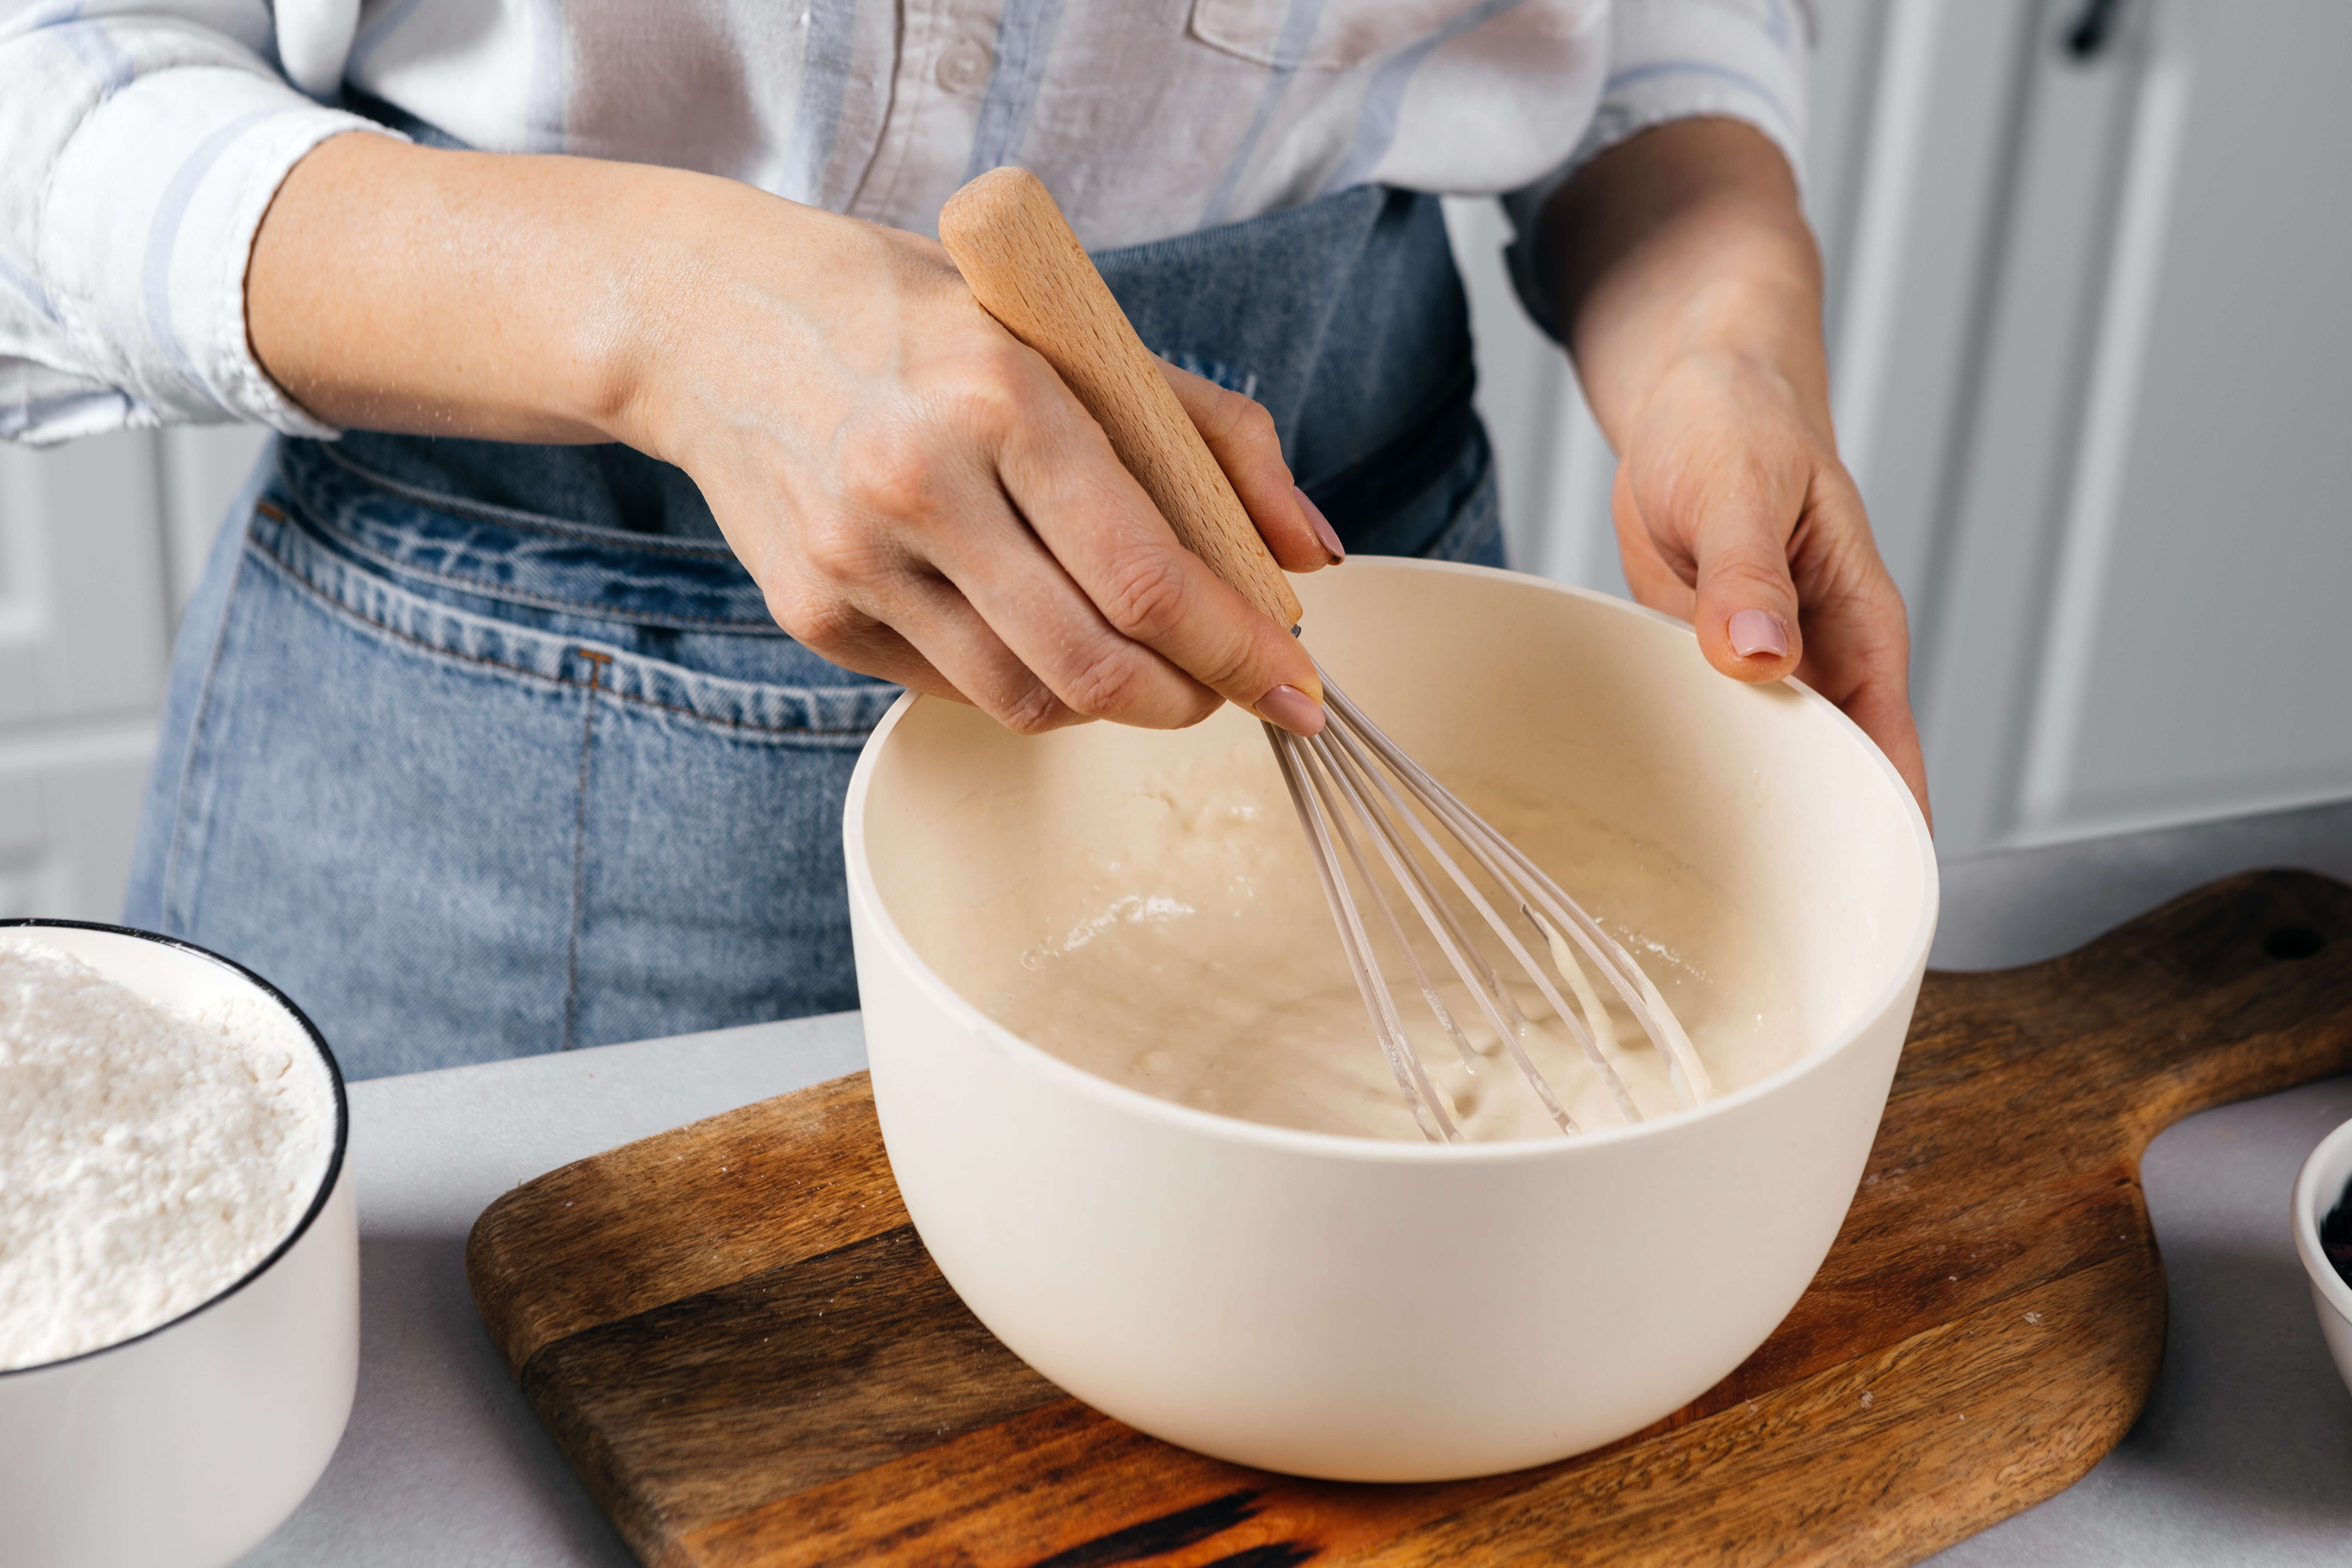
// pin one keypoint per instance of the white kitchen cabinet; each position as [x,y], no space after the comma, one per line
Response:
[2197,545]
[2118,499]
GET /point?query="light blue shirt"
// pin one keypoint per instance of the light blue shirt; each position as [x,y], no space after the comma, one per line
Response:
[140,144]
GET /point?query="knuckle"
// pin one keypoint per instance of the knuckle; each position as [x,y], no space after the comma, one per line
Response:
[1253,423]
[1837,480]
[1752,576]
[1235,423]
[983,395]
[839,547]
[1143,592]
[1108,685]
[1034,711]
[1203,704]
[889,477]
[821,622]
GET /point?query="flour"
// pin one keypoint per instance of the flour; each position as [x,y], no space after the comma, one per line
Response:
[150,1157]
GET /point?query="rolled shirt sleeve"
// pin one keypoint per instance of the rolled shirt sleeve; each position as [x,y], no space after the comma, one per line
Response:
[1677,59]
[138,152]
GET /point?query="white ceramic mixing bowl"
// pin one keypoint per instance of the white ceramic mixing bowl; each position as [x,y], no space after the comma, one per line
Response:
[1374,1310]
[184,1446]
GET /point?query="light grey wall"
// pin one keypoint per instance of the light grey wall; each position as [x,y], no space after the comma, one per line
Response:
[100,542]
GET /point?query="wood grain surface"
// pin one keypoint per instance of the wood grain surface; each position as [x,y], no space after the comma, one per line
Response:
[739,1343]
[1028,270]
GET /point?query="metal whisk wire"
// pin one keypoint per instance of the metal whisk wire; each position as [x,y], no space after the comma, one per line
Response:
[1350,784]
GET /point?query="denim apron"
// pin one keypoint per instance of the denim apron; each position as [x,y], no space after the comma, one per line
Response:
[478,750]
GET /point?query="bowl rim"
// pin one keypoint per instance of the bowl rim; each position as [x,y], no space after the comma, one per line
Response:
[2306,1213]
[327,1183]
[1378,1151]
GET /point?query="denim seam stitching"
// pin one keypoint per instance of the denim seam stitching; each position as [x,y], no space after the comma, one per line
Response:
[596,663]
[295,576]
[531,521]
[543,601]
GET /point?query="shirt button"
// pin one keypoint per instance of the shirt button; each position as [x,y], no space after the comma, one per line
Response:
[965,65]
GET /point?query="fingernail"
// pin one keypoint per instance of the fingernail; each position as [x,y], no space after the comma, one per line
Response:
[1321,525]
[1758,634]
[1292,709]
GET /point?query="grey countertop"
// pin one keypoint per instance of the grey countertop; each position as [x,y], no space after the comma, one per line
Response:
[2242,1457]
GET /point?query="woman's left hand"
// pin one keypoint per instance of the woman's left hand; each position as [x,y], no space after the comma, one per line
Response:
[1692,290]
[1734,514]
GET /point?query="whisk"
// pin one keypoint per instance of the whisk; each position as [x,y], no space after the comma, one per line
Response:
[1360,798]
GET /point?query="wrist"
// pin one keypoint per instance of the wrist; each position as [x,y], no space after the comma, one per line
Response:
[1747,329]
[651,271]
[654,246]
[700,269]
[1684,247]
[1726,288]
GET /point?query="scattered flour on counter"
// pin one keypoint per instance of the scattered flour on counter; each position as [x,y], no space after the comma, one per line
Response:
[150,1156]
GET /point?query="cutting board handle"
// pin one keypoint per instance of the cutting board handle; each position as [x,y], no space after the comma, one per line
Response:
[1028,270]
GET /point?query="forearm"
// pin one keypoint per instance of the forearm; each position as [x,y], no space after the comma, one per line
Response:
[401,288]
[1685,241]
[511,297]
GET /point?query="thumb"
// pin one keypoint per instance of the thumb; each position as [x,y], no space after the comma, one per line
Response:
[1747,609]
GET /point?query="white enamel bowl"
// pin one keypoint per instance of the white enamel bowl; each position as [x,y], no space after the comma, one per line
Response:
[184,1446]
[1371,1311]
[2317,1189]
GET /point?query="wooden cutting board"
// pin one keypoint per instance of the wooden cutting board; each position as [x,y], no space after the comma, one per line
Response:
[738,1341]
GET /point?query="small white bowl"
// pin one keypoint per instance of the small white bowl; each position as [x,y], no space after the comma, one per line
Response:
[2317,1189]
[1370,1310]
[184,1446]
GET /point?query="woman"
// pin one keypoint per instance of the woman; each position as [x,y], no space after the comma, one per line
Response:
[616,489]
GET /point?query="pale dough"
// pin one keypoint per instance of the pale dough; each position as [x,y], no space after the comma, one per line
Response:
[1194,959]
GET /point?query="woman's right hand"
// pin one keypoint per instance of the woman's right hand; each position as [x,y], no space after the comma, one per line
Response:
[916,493]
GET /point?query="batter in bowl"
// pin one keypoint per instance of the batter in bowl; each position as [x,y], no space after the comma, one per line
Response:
[1193,958]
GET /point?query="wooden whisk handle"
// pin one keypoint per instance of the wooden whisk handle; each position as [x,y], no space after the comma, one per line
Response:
[1028,270]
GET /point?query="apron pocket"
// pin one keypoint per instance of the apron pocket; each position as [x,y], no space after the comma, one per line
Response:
[453,840]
